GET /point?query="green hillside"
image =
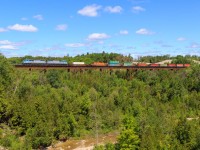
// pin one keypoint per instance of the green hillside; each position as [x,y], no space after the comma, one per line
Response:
[150,109]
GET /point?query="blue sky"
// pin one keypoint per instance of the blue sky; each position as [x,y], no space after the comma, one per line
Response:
[69,27]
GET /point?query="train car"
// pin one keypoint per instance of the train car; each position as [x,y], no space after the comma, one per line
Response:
[53,62]
[179,65]
[163,65]
[27,61]
[154,65]
[142,64]
[186,65]
[171,65]
[114,63]
[39,61]
[64,62]
[57,62]
[78,64]
[128,64]
[99,64]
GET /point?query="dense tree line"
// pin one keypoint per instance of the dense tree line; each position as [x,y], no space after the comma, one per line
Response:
[175,59]
[182,60]
[87,58]
[151,109]
[153,59]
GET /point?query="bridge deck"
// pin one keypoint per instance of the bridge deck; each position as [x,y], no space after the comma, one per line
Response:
[88,67]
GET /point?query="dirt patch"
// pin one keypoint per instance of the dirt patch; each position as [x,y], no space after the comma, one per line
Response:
[86,143]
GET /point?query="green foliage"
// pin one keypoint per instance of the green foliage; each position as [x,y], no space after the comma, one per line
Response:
[107,146]
[40,108]
[11,141]
[4,110]
[153,59]
[129,139]
[101,147]
[53,77]
[39,136]
[175,59]
[187,133]
[182,131]
[181,60]
[6,73]
[6,78]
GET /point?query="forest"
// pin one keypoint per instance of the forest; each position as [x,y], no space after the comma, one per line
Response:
[150,109]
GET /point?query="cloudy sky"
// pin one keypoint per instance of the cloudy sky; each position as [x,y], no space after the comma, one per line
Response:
[69,27]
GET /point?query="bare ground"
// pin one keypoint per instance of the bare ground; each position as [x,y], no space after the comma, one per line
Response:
[86,143]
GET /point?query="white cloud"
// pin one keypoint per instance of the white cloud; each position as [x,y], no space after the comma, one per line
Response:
[23,28]
[61,27]
[38,17]
[3,30]
[123,32]
[144,31]
[90,10]
[115,9]
[98,36]
[181,39]
[194,45]
[4,42]
[137,9]
[8,47]
[75,45]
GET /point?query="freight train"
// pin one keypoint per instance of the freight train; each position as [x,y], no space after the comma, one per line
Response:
[110,63]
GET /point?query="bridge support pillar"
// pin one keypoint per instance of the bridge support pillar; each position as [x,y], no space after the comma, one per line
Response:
[111,71]
[81,70]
